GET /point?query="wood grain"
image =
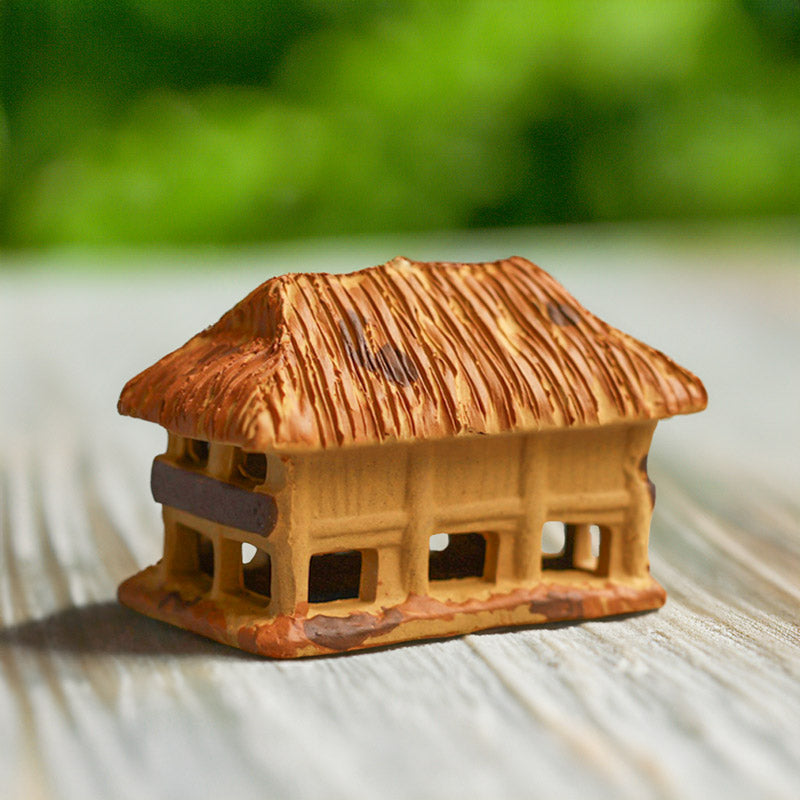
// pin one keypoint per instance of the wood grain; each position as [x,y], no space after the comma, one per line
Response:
[698,700]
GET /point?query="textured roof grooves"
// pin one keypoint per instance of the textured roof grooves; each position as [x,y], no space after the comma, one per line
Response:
[405,351]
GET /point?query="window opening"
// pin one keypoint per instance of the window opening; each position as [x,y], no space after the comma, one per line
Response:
[253,467]
[248,552]
[194,552]
[570,546]
[334,576]
[205,554]
[197,452]
[594,532]
[256,570]
[463,556]
[553,538]
[439,541]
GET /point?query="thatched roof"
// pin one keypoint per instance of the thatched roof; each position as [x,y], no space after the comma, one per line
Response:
[406,351]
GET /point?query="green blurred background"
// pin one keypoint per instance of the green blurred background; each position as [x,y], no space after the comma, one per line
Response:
[172,122]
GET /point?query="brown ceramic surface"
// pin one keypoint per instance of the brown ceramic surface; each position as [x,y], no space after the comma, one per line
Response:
[406,351]
[380,409]
[229,621]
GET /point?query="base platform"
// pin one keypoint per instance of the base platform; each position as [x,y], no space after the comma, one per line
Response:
[234,621]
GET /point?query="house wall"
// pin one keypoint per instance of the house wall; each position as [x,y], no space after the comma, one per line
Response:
[181,527]
[391,498]
[386,501]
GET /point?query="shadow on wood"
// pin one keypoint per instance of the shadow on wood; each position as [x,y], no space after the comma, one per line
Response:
[113,629]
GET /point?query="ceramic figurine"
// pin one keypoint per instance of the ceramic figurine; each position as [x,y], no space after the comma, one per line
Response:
[364,459]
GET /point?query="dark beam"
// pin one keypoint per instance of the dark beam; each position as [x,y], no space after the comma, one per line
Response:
[212,499]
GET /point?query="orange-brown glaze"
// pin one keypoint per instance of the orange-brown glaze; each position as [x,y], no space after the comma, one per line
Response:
[405,351]
[320,634]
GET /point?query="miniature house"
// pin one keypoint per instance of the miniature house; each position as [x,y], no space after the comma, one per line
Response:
[329,429]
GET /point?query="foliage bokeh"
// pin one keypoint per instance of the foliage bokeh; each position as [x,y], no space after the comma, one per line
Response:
[226,121]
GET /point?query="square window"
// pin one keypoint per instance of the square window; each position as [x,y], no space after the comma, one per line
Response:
[457,555]
[252,467]
[196,452]
[334,576]
[570,546]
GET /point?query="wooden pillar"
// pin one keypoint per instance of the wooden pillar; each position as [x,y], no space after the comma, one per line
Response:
[528,550]
[227,553]
[611,561]
[635,533]
[227,565]
[499,559]
[174,558]
[175,446]
[220,461]
[180,547]
[290,541]
[420,506]
[368,585]
[578,547]
[390,587]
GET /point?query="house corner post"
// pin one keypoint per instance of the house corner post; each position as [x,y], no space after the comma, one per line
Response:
[528,546]
[290,540]
[180,547]
[420,504]
[636,532]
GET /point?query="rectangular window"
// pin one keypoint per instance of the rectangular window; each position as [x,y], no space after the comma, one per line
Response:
[461,555]
[251,467]
[256,570]
[192,553]
[196,453]
[340,576]
[553,539]
[570,546]
[260,471]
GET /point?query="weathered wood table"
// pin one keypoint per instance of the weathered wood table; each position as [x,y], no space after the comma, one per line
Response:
[698,700]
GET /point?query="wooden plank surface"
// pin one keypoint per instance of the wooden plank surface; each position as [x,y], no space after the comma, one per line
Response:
[698,700]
